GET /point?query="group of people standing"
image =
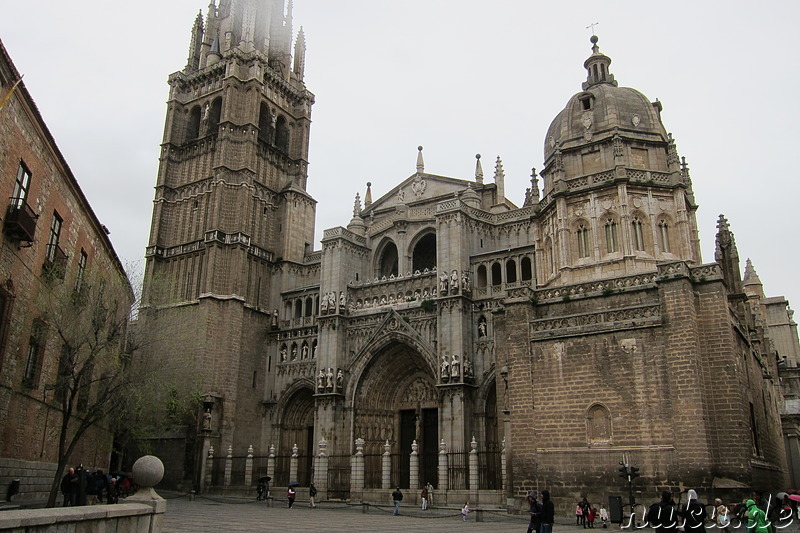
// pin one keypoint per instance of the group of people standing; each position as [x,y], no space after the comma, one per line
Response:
[586,514]
[80,487]
[542,513]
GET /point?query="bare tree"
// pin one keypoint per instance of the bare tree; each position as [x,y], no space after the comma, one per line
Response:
[89,321]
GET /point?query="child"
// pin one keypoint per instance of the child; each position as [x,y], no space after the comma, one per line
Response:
[604,515]
[591,517]
[465,511]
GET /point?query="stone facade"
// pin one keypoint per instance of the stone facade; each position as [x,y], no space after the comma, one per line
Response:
[574,329]
[50,237]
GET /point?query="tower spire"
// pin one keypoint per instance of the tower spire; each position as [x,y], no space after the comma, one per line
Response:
[300,55]
[420,162]
[478,169]
[727,256]
[499,179]
[196,41]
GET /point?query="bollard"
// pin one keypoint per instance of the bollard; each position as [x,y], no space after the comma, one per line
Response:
[192,496]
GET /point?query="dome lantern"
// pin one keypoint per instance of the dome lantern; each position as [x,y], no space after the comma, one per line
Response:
[597,67]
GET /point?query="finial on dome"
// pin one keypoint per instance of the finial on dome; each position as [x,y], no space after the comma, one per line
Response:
[420,162]
[597,65]
[478,169]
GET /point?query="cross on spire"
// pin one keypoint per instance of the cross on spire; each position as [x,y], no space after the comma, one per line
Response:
[592,25]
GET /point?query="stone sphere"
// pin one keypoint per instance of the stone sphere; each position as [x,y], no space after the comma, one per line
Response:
[148,471]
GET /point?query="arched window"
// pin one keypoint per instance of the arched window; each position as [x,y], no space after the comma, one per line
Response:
[214,116]
[309,307]
[637,237]
[387,266]
[582,233]
[481,281]
[193,126]
[298,309]
[424,255]
[511,271]
[266,124]
[287,311]
[527,269]
[497,274]
[663,235]
[281,134]
[598,424]
[612,240]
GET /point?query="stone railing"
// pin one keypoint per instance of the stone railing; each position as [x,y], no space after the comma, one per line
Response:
[133,517]
[339,231]
[393,291]
[646,280]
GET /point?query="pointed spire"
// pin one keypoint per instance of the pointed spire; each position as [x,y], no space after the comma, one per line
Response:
[499,179]
[727,256]
[597,67]
[357,205]
[534,187]
[752,283]
[420,162]
[368,195]
[478,169]
[300,55]
[195,42]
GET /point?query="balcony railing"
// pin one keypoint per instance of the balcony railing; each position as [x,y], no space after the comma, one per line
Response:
[55,263]
[20,221]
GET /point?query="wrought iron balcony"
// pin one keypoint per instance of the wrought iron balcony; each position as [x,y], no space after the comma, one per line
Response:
[55,263]
[20,223]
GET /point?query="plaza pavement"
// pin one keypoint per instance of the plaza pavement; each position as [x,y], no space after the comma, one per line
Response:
[230,515]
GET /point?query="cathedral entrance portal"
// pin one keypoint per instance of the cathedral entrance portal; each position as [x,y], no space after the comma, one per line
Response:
[297,429]
[396,401]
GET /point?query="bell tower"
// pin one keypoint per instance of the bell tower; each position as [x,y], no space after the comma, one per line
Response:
[231,208]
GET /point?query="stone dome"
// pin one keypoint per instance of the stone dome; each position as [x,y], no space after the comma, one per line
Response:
[602,109]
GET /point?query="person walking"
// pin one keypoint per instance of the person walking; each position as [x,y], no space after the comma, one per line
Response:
[291,495]
[756,518]
[69,487]
[722,516]
[578,513]
[312,493]
[535,509]
[397,497]
[604,515]
[465,511]
[424,497]
[548,512]
[661,514]
[591,517]
[694,514]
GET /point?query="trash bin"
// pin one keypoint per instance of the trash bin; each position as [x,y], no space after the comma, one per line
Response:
[13,489]
[615,509]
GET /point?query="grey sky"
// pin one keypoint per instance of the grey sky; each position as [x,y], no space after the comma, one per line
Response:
[458,77]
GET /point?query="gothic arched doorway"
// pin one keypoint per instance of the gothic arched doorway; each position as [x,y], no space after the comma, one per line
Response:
[297,428]
[396,401]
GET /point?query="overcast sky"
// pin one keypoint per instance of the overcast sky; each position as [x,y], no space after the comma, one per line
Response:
[459,77]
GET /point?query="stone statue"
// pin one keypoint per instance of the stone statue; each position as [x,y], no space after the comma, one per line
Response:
[468,369]
[283,353]
[443,280]
[342,302]
[329,379]
[323,305]
[465,281]
[321,381]
[314,351]
[274,322]
[482,327]
[294,352]
[340,380]
[304,354]
[445,367]
[454,281]
[207,420]
[455,367]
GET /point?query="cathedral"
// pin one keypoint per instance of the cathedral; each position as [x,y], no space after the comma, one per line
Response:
[444,334]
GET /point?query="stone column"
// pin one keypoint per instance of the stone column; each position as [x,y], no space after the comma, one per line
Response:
[386,467]
[248,467]
[357,471]
[271,462]
[443,469]
[473,469]
[321,471]
[414,468]
[209,466]
[228,465]
[293,465]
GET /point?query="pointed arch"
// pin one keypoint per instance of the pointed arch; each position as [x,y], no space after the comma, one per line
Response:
[423,250]
[386,259]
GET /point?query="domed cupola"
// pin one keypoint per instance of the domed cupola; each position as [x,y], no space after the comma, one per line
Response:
[605,127]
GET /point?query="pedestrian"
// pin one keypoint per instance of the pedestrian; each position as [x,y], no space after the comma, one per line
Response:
[429,488]
[69,487]
[661,514]
[722,516]
[585,511]
[312,493]
[591,517]
[290,495]
[424,497]
[465,511]
[548,512]
[397,497]
[578,513]
[535,509]
[694,514]
[756,518]
[111,493]
[604,515]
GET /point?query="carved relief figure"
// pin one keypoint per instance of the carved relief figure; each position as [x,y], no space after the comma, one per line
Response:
[304,354]
[283,353]
[443,280]
[329,379]
[207,420]
[454,281]
[465,281]
[294,352]
[482,327]
[445,367]
[340,380]
[274,321]
[321,381]
[342,302]
[323,306]
[468,373]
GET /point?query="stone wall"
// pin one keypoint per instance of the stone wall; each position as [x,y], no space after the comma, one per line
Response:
[131,517]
